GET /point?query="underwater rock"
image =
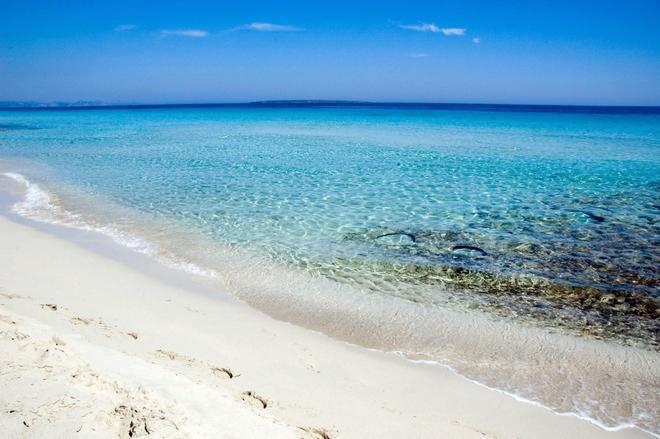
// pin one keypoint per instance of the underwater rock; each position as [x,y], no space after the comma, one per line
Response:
[608,299]
[470,248]
[397,238]
[593,216]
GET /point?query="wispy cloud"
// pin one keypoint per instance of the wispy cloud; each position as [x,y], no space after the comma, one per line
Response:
[453,31]
[421,27]
[191,33]
[418,55]
[476,40]
[125,27]
[432,27]
[269,27]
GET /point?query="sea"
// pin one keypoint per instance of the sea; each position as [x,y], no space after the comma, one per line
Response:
[517,245]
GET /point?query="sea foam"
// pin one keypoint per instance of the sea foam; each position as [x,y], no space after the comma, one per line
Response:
[39,205]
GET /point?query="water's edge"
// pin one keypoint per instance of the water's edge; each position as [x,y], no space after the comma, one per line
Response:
[34,199]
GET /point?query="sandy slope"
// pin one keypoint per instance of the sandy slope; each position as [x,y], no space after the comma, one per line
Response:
[91,347]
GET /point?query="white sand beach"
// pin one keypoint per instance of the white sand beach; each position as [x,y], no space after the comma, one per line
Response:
[92,347]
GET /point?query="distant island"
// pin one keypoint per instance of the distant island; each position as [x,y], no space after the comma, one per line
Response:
[321,103]
[306,102]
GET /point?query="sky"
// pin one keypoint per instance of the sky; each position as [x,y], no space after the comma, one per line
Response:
[601,52]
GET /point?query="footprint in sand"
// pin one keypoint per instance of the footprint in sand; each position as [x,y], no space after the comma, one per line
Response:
[80,321]
[7,319]
[224,372]
[11,296]
[254,400]
[315,433]
[169,354]
[137,422]
[181,359]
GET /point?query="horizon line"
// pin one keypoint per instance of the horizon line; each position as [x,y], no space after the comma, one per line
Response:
[100,105]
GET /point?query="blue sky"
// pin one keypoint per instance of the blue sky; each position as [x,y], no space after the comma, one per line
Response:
[550,52]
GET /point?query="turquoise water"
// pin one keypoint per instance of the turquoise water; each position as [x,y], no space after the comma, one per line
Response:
[547,219]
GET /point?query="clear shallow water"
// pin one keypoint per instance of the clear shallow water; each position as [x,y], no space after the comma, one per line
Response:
[405,229]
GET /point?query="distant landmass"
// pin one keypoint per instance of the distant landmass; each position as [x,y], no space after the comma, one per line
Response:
[311,102]
[320,103]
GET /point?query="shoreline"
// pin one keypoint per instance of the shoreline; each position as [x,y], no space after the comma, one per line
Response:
[555,371]
[297,360]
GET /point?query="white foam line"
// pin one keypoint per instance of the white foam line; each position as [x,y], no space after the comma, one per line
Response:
[38,206]
[34,197]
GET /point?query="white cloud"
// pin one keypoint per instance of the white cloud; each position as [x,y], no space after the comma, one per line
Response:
[432,27]
[125,27]
[418,55]
[476,40]
[422,27]
[453,31]
[269,27]
[192,33]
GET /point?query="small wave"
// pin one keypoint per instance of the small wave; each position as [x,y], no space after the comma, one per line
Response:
[36,200]
[40,206]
